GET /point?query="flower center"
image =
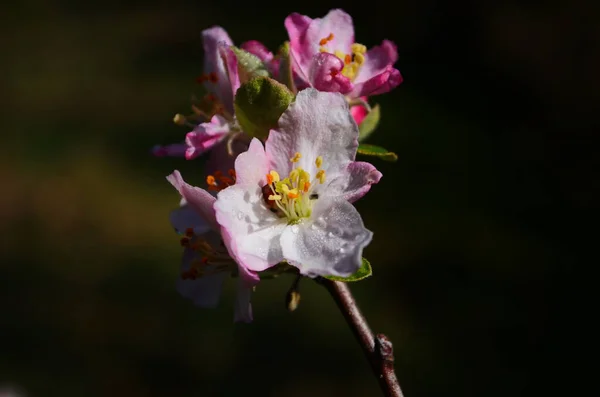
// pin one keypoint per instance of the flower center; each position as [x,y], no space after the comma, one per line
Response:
[352,61]
[209,260]
[293,196]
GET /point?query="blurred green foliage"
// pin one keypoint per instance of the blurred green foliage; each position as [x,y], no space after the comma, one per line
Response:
[473,224]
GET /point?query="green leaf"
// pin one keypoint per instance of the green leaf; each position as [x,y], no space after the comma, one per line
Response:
[249,65]
[363,272]
[259,103]
[285,67]
[369,123]
[377,151]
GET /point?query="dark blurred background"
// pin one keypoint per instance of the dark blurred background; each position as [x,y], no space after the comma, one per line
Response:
[478,226]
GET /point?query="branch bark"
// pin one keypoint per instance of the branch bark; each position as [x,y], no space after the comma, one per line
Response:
[377,348]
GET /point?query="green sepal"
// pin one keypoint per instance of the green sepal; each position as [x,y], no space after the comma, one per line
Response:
[249,65]
[369,123]
[377,151]
[363,272]
[259,103]
[285,67]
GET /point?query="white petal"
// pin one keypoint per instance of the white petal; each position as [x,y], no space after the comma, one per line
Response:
[199,199]
[328,244]
[253,230]
[315,124]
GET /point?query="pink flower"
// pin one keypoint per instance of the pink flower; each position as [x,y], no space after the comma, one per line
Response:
[221,80]
[220,76]
[206,263]
[326,57]
[304,218]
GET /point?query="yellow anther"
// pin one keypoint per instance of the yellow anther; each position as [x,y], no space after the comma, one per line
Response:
[274,176]
[322,49]
[296,158]
[321,176]
[358,48]
[210,180]
[283,188]
[293,193]
[306,186]
[339,54]
[348,59]
[304,176]
[294,175]
[359,58]
[275,197]
[350,70]
[319,161]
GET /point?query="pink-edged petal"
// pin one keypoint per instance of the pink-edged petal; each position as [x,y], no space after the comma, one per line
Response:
[252,166]
[259,49]
[248,277]
[204,291]
[337,22]
[199,199]
[315,124]
[243,308]
[325,74]
[252,231]
[359,178]
[205,136]
[186,217]
[301,50]
[213,63]
[359,112]
[306,34]
[173,150]
[199,145]
[230,62]
[330,243]
[377,60]
[389,79]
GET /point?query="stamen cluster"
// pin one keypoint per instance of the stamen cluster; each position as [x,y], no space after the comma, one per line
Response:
[294,195]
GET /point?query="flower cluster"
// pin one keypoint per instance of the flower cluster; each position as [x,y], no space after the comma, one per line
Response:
[282,133]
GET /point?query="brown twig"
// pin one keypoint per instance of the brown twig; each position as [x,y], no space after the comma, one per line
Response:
[378,349]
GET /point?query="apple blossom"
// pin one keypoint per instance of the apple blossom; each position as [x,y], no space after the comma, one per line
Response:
[326,57]
[305,218]
[221,79]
